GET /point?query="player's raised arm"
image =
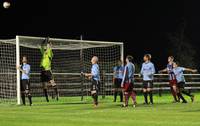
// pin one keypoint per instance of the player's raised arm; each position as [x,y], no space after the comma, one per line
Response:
[49,50]
[169,65]
[163,70]
[191,70]
[42,50]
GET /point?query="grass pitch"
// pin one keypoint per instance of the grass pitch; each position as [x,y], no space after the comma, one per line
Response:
[71,112]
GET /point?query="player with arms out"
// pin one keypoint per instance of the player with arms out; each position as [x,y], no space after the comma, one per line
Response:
[128,82]
[46,73]
[118,76]
[25,80]
[178,71]
[147,72]
[172,78]
[95,78]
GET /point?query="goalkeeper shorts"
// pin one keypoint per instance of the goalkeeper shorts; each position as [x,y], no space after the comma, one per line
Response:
[46,76]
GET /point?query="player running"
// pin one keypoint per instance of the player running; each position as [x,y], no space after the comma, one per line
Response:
[147,72]
[172,78]
[178,71]
[46,73]
[128,82]
[118,75]
[25,80]
[95,78]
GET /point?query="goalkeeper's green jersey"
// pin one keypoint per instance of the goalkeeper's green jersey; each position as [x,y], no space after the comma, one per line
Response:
[46,58]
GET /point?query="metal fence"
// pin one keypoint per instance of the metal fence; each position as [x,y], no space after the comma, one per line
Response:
[74,84]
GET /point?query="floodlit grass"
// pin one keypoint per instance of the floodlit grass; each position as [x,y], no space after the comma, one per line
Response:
[73,112]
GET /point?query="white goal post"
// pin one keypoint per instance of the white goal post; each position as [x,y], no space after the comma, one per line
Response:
[71,57]
[18,72]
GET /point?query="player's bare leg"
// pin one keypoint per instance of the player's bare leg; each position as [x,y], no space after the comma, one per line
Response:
[173,94]
[54,85]
[95,97]
[174,90]
[45,84]
[126,96]
[133,96]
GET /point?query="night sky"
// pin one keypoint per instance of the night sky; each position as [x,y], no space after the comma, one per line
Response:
[142,25]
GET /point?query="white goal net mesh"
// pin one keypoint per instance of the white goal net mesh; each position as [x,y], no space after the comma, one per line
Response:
[71,57]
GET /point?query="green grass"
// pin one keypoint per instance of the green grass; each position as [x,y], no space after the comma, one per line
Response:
[70,112]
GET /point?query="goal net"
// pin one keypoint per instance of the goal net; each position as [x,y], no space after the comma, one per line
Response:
[71,57]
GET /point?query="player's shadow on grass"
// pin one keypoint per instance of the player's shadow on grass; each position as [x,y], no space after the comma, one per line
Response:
[76,103]
[145,105]
[197,110]
[64,103]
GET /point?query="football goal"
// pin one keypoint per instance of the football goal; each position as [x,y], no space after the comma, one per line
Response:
[71,57]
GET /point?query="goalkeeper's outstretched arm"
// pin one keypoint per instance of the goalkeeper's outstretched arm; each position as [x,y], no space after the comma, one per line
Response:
[46,47]
[49,50]
[42,50]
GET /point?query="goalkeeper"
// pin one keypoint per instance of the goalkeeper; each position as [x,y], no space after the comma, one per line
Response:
[46,73]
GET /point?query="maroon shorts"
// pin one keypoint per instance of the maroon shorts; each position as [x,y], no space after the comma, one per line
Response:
[173,82]
[128,87]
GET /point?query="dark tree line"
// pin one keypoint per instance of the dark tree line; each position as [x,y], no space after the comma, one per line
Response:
[182,48]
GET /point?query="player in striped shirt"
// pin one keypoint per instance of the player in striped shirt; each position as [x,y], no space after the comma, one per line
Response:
[128,82]
[118,76]
[178,71]
[147,72]
[172,78]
